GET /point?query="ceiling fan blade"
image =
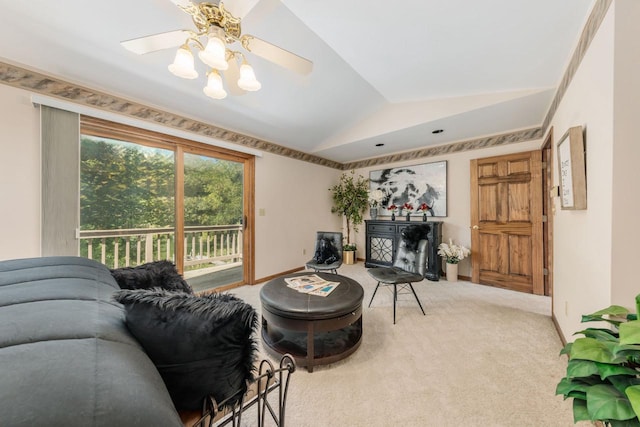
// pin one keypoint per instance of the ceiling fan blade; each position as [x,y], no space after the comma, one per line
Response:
[156,42]
[276,54]
[238,8]
[231,76]
[181,3]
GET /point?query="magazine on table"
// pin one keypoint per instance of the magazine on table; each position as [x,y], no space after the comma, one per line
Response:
[323,291]
[311,284]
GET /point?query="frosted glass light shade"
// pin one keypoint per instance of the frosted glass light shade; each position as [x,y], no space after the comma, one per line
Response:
[183,64]
[247,80]
[214,53]
[214,88]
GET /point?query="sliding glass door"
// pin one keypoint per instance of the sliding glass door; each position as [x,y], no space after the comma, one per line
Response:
[146,197]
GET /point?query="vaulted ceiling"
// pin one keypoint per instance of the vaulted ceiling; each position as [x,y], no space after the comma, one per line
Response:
[384,72]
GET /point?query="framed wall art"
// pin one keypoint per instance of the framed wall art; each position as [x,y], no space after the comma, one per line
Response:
[425,183]
[572,172]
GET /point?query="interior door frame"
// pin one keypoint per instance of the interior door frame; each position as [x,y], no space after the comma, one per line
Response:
[549,211]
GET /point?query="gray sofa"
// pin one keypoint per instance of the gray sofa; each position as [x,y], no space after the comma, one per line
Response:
[66,355]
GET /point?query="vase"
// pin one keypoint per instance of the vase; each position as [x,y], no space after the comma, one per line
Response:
[424,217]
[408,216]
[373,212]
[452,272]
[393,216]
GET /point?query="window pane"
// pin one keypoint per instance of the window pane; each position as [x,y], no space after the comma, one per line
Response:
[213,194]
[127,202]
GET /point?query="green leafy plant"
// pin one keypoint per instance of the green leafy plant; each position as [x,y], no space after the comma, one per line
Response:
[602,372]
[349,247]
[350,199]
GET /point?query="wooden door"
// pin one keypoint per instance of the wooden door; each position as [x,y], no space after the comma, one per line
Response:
[506,222]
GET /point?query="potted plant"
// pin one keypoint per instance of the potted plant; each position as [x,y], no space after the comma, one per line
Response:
[349,253]
[453,255]
[350,199]
[602,371]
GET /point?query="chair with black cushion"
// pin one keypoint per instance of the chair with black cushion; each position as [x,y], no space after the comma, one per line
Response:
[328,252]
[409,266]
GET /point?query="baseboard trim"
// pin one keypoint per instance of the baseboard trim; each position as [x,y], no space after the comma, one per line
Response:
[273,276]
[558,330]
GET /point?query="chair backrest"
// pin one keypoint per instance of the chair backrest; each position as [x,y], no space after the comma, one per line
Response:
[334,237]
[412,260]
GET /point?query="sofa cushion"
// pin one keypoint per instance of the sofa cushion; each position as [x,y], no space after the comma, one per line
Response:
[66,356]
[201,345]
[157,274]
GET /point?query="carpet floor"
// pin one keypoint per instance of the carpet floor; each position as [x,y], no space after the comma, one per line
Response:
[481,356]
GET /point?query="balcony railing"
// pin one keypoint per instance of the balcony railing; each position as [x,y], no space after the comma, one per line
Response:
[204,246]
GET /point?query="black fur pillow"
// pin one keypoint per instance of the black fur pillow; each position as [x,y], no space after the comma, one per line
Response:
[157,274]
[413,234]
[201,345]
[326,252]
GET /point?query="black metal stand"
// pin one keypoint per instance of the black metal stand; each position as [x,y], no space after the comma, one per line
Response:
[269,379]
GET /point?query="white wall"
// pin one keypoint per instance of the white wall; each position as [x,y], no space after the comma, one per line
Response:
[626,154]
[456,225]
[595,249]
[296,200]
[19,175]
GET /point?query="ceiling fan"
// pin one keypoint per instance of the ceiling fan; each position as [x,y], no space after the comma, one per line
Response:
[220,30]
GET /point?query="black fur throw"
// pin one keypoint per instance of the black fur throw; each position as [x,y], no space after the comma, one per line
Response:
[326,253]
[413,234]
[157,274]
[201,345]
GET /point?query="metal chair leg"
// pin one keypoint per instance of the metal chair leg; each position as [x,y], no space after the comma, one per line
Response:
[395,299]
[414,294]
[374,293]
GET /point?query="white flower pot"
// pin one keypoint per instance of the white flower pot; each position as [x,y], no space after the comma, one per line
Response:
[452,272]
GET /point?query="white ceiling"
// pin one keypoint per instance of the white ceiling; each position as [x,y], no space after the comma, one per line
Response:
[384,72]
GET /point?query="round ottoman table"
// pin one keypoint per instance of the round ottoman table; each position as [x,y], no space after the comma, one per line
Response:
[315,330]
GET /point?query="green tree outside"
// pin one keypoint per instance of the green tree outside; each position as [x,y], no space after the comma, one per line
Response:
[125,185]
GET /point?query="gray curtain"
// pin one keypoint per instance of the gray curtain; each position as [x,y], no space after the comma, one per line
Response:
[60,133]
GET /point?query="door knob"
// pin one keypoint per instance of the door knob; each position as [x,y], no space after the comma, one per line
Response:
[475,227]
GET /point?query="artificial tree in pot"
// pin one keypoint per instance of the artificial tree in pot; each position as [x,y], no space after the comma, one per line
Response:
[350,200]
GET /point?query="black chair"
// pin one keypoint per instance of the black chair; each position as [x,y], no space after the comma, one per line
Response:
[410,265]
[328,252]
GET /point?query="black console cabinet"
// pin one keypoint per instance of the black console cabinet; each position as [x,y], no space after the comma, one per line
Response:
[383,238]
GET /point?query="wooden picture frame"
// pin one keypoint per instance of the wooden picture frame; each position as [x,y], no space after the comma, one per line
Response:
[572,171]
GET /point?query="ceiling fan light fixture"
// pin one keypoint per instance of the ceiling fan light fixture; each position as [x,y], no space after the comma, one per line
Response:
[182,65]
[247,80]
[214,88]
[214,53]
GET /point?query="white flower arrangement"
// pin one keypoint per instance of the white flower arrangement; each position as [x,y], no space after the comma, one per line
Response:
[453,253]
[376,197]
